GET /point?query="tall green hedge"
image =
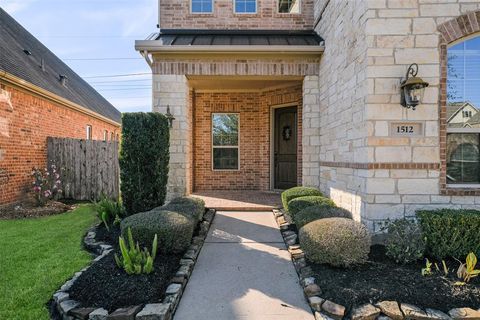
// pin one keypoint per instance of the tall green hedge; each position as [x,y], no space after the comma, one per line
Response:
[144,158]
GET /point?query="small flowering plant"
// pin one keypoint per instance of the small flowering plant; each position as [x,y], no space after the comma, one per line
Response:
[46,184]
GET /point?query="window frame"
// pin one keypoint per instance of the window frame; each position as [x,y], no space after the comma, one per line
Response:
[464,130]
[202,12]
[295,13]
[105,135]
[235,7]
[225,147]
[89,132]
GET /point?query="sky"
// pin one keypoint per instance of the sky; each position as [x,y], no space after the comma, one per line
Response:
[96,39]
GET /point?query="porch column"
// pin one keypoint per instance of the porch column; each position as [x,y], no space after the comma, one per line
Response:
[311,132]
[173,91]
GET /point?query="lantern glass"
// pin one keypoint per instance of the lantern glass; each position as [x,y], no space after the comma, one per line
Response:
[414,94]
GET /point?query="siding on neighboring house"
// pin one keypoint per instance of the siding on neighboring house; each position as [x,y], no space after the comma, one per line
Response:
[24,129]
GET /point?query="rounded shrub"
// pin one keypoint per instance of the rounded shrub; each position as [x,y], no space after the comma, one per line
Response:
[405,241]
[298,204]
[174,230]
[313,213]
[297,192]
[339,242]
[188,206]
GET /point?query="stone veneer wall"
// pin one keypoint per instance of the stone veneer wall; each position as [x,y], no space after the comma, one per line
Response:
[341,137]
[360,96]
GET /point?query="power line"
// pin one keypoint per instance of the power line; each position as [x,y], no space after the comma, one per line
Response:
[123,89]
[99,59]
[118,75]
[119,81]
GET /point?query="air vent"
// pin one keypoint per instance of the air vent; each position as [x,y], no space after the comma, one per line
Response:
[63,79]
[27,52]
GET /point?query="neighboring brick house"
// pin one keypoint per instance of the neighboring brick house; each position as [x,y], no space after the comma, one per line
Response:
[41,97]
[271,93]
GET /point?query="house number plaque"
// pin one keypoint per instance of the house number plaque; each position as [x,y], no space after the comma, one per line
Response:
[406,129]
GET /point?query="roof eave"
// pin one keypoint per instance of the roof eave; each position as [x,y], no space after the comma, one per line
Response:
[25,85]
[153,46]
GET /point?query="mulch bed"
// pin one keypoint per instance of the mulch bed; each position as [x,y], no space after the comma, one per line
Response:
[107,286]
[383,279]
[28,209]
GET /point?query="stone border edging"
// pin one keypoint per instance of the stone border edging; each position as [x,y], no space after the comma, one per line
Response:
[324,309]
[69,309]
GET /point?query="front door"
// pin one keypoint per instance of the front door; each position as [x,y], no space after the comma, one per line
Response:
[285,148]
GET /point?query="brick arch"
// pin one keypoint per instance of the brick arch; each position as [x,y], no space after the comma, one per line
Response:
[451,31]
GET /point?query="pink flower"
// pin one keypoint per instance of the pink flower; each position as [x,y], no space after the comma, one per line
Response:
[58,182]
[37,189]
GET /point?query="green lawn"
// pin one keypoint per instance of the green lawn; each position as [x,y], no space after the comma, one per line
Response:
[36,257]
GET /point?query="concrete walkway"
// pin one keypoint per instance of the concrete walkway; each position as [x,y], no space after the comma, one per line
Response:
[243,272]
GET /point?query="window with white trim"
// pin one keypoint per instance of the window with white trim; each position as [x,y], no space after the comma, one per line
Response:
[105,135]
[201,6]
[225,141]
[89,132]
[463,112]
[245,6]
[289,6]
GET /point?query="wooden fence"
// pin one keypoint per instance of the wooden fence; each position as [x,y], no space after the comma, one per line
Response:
[89,168]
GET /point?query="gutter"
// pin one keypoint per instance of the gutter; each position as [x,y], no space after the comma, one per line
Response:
[156,46]
[25,85]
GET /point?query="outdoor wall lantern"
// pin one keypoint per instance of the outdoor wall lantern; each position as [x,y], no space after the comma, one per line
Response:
[169,116]
[412,88]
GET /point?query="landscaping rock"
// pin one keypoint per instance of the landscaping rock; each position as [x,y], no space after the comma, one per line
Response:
[190,254]
[296,253]
[316,303]
[187,262]
[321,316]
[334,310]
[173,288]
[60,296]
[391,309]
[172,299]
[67,305]
[81,313]
[204,226]
[312,290]
[98,314]
[308,281]
[183,271]
[155,311]
[277,213]
[383,317]
[67,285]
[365,312]
[464,313]
[179,279]
[285,226]
[413,312]
[306,272]
[437,314]
[291,240]
[197,240]
[281,220]
[288,233]
[125,313]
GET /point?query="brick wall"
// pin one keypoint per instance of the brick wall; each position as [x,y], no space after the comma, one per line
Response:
[175,14]
[254,109]
[23,137]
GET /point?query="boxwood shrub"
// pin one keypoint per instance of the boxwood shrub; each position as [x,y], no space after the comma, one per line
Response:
[316,212]
[339,242]
[189,206]
[174,230]
[296,192]
[144,158]
[298,204]
[451,233]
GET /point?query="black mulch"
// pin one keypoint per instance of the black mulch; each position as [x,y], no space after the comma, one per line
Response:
[105,285]
[383,279]
[29,209]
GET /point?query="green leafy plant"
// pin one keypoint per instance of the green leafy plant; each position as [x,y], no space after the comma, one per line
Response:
[144,158]
[445,268]
[450,233]
[134,260]
[297,192]
[405,242]
[298,204]
[316,212]
[427,271]
[108,210]
[467,270]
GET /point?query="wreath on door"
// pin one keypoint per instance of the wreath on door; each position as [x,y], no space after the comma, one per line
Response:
[286,133]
